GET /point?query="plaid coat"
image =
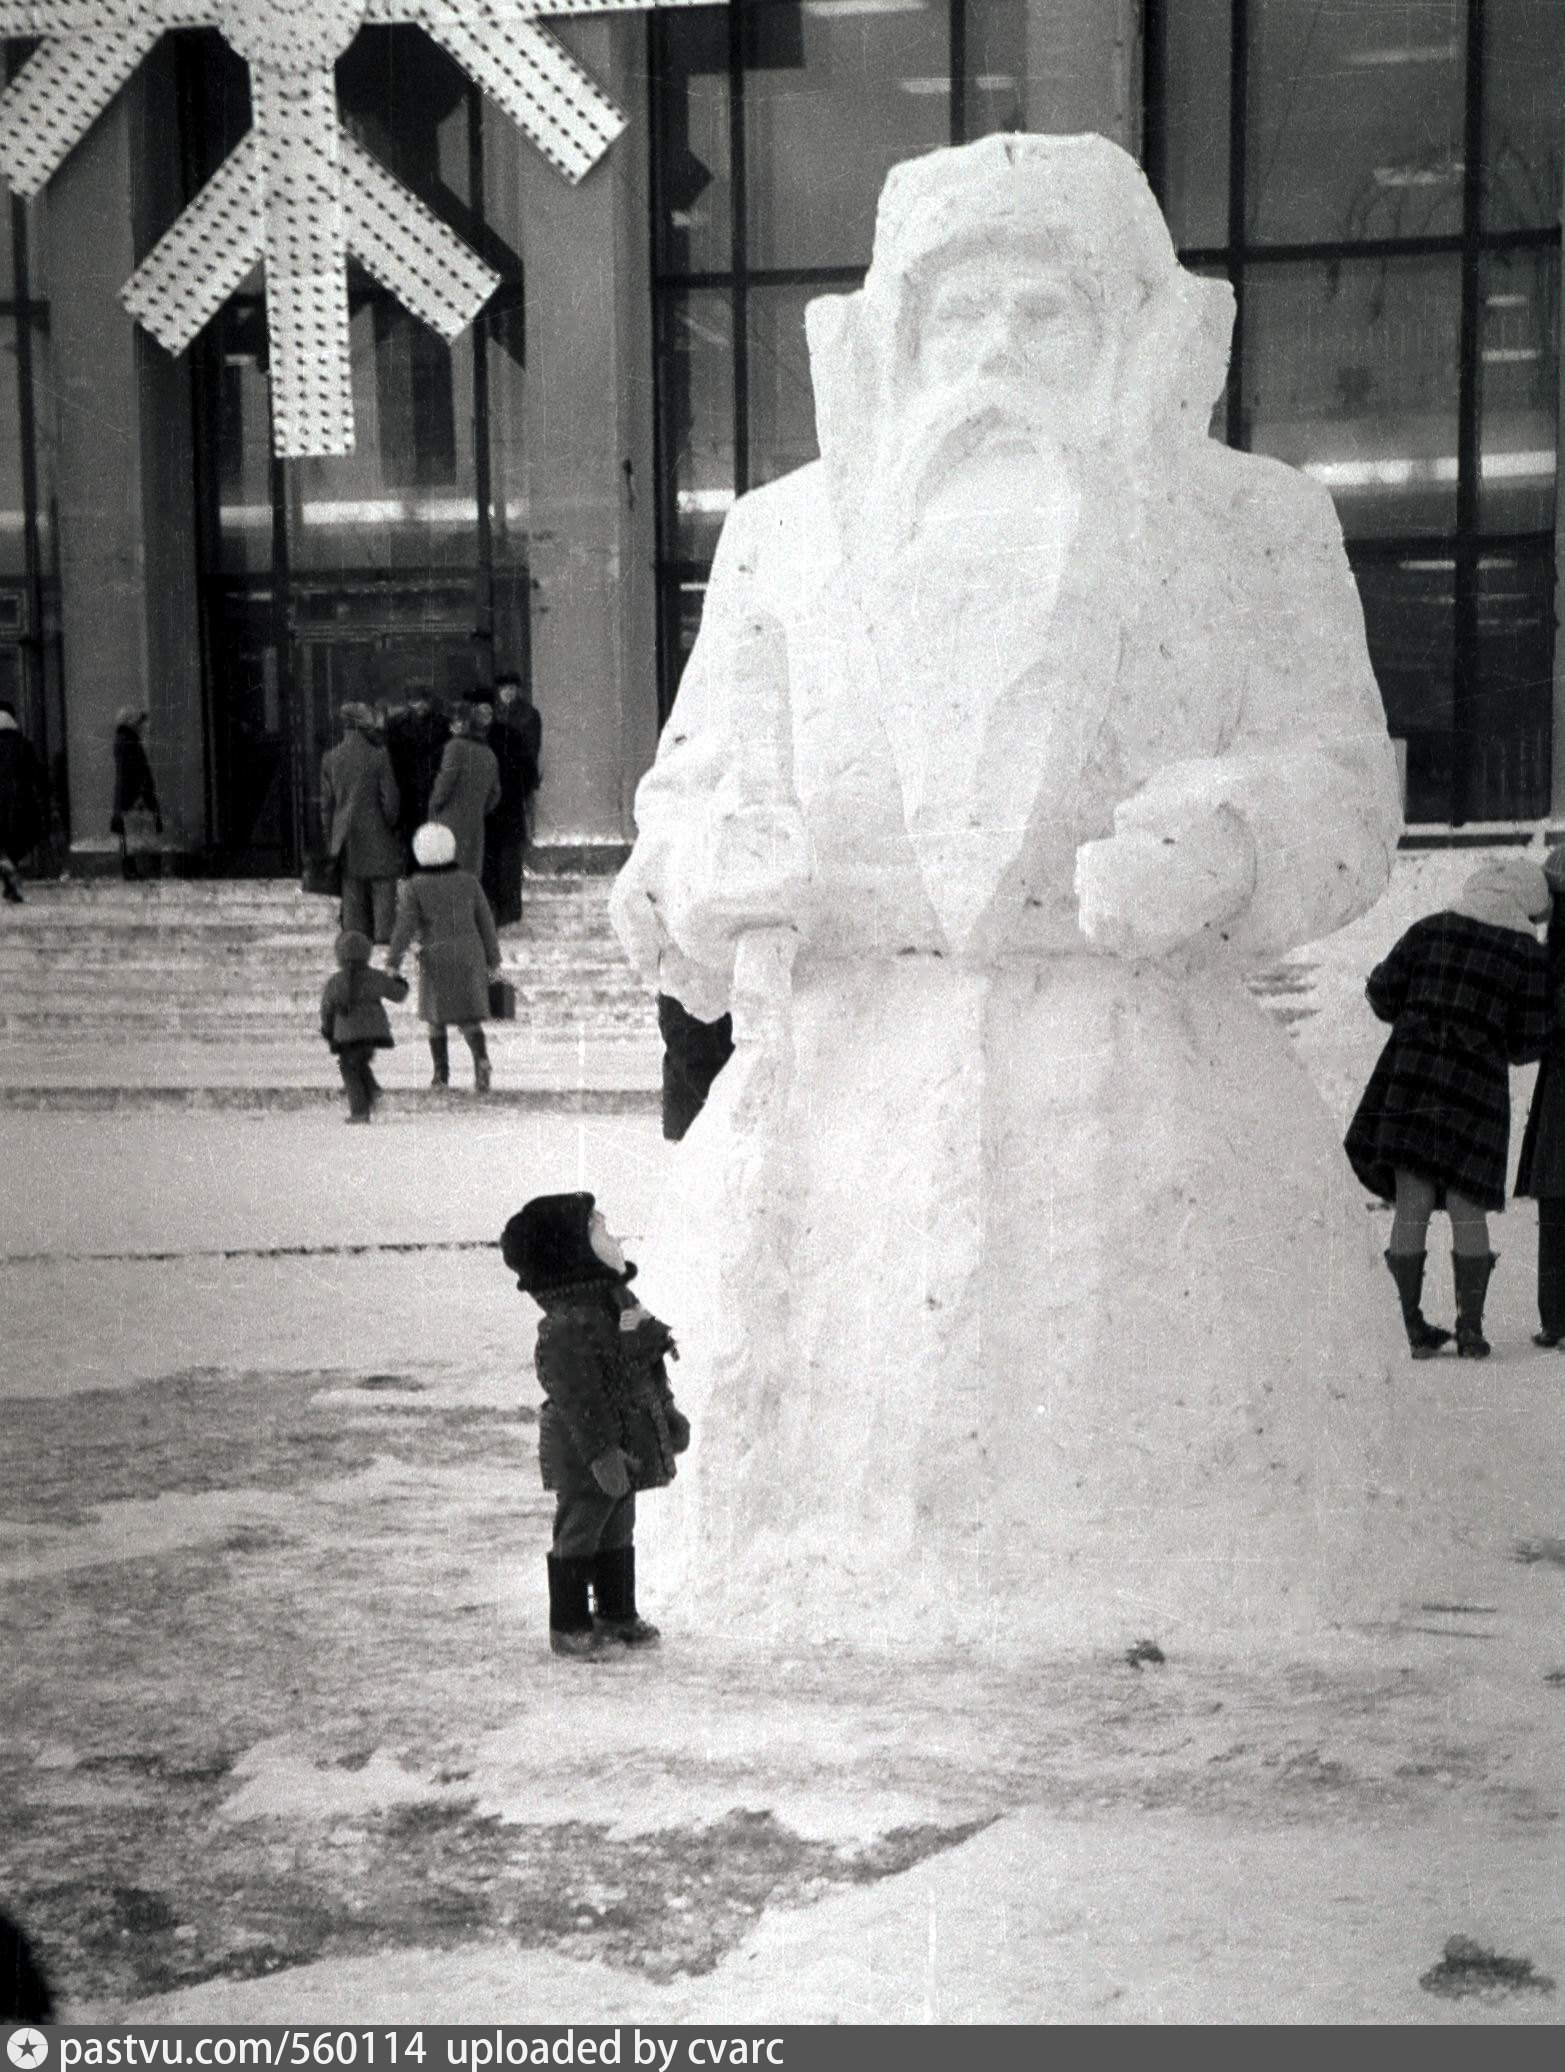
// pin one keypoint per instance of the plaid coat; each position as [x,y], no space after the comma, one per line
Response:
[1465,1001]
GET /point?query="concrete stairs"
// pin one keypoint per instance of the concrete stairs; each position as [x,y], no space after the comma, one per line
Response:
[209,991]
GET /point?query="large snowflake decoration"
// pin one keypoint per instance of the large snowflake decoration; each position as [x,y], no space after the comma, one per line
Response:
[298,192]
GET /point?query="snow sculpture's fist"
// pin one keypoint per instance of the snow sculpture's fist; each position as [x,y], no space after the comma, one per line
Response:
[1163,880]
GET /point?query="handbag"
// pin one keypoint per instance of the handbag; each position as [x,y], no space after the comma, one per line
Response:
[322,874]
[502,1000]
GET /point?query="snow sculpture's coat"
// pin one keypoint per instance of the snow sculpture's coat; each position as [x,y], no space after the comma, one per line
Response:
[1024,1288]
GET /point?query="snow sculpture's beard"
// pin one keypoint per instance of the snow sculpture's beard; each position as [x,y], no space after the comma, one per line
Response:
[989,551]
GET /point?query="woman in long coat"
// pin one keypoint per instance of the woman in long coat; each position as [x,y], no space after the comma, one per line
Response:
[466,791]
[1541,1169]
[1466,995]
[443,908]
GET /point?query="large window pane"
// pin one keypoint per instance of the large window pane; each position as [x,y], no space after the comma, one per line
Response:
[404,498]
[237,360]
[1409,620]
[694,195]
[1002,43]
[1355,120]
[1515,646]
[695,356]
[1350,373]
[1195,120]
[873,87]
[1524,112]
[1519,385]
[782,403]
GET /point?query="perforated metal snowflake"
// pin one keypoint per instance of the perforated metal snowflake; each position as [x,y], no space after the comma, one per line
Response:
[298,193]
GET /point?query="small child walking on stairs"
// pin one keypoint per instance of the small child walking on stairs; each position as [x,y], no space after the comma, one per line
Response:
[353,1019]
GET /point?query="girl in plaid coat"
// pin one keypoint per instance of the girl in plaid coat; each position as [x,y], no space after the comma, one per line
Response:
[609,1426]
[1465,992]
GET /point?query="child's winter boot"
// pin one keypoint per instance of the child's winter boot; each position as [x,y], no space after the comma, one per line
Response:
[1424,1339]
[614,1587]
[440,1054]
[571,1631]
[1471,1276]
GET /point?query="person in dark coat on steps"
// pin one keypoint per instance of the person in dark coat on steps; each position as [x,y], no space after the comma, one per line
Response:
[416,737]
[135,792]
[24,810]
[442,907]
[359,811]
[353,1019]
[609,1426]
[467,790]
[1540,1171]
[1465,992]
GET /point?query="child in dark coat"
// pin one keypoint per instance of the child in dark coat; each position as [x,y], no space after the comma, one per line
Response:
[608,1427]
[353,1021]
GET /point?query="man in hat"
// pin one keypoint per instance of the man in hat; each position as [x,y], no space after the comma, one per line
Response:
[359,807]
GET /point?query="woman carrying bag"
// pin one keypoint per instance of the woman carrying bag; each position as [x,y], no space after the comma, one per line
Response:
[442,907]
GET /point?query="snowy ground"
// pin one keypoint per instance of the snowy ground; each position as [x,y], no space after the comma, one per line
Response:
[289,1743]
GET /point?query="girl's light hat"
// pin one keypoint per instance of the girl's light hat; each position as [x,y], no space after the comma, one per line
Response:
[433,845]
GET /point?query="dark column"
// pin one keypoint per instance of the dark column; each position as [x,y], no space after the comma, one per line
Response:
[124,468]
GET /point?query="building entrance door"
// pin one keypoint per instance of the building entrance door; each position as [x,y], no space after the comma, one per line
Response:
[283,672]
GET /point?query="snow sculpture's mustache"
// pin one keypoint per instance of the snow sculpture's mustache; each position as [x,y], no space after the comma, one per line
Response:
[935,440]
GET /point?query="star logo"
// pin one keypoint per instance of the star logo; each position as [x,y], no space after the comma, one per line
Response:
[298,194]
[27,2048]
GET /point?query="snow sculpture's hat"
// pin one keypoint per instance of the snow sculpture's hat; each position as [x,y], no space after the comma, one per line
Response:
[1082,197]
[546,1244]
[354,947]
[434,845]
[1081,200]
[1507,892]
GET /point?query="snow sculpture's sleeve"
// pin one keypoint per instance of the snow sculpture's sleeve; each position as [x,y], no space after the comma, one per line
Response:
[1309,768]
[1386,990]
[570,1373]
[703,771]
[1527,1026]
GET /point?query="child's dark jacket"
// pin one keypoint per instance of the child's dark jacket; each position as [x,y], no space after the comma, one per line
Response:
[351,1010]
[604,1387]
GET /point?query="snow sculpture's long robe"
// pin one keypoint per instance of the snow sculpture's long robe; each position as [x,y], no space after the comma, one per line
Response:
[1066,1324]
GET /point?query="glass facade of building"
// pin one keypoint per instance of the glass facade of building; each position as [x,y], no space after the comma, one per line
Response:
[405,562]
[1381,183]
[30,677]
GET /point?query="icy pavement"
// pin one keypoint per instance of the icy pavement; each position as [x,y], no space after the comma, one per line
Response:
[289,1743]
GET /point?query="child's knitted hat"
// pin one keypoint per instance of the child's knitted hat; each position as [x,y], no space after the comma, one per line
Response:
[354,947]
[546,1244]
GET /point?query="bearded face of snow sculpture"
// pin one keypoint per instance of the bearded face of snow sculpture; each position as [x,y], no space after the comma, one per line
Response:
[1020,725]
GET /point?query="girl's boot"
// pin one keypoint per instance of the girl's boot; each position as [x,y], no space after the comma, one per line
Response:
[1471,1275]
[614,1587]
[1424,1339]
[10,884]
[479,1047]
[440,1052]
[571,1631]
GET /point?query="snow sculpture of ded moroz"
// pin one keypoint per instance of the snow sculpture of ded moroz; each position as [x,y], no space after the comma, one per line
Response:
[1025,1293]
